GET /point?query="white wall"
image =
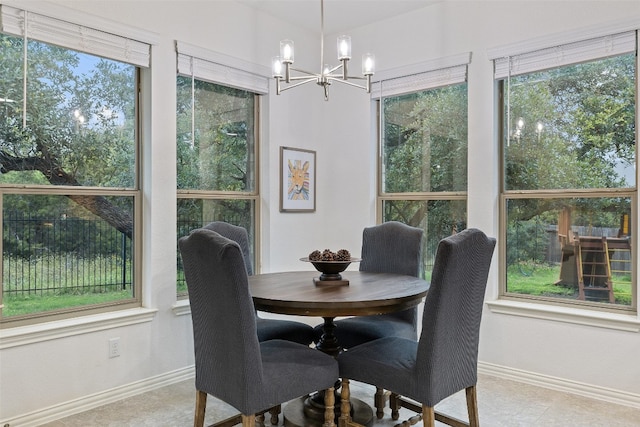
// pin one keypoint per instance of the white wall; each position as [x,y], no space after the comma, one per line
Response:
[44,378]
[555,352]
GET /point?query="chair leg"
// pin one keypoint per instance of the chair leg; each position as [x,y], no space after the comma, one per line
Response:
[201,406]
[379,400]
[275,412]
[472,406]
[329,412]
[248,420]
[395,405]
[345,404]
[428,416]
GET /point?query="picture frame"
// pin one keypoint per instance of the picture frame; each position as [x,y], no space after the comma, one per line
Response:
[297,180]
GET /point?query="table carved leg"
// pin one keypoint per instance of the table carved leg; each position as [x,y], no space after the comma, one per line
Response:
[328,341]
[309,411]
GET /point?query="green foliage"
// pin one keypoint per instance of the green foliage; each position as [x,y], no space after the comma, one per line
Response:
[577,125]
[215,137]
[425,141]
[80,117]
[527,242]
[425,150]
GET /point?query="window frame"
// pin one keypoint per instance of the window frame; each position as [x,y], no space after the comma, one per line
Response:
[572,311]
[198,63]
[431,75]
[54,27]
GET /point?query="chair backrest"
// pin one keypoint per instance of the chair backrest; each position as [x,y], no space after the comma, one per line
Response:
[227,352]
[394,247]
[448,346]
[237,234]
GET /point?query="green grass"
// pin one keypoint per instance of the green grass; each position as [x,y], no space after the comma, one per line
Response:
[63,281]
[524,278]
[540,280]
[21,305]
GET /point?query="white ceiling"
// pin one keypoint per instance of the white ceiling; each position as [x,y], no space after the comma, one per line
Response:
[339,15]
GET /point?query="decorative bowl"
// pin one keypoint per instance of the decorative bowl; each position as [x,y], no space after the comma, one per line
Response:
[330,269]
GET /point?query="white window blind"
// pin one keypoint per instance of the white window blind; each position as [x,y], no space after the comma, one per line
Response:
[34,26]
[216,68]
[566,54]
[432,74]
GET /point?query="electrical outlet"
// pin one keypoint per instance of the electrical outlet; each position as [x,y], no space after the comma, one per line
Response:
[114,347]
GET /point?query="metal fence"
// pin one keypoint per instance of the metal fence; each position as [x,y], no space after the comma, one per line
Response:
[63,255]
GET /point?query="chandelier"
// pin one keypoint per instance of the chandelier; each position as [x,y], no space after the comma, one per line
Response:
[282,66]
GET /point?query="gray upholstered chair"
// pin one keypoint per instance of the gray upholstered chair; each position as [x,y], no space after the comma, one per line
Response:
[268,329]
[391,247]
[230,363]
[444,360]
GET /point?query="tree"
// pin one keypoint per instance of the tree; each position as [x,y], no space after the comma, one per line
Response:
[215,149]
[569,128]
[425,150]
[80,123]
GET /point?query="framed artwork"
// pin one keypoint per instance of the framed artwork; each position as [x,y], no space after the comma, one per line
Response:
[297,180]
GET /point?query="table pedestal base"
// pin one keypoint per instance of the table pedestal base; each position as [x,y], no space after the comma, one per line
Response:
[294,413]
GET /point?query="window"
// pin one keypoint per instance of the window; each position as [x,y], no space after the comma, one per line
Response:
[68,174]
[217,146]
[569,192]
[423,152]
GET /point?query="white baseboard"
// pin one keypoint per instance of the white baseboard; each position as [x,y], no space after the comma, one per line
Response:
[561,384]
[85,403]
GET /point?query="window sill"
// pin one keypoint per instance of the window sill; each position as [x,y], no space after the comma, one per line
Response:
[31,334]
[182,307]
[621,322]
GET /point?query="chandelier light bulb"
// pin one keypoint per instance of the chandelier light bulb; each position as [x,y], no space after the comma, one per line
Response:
[288,77]
[276,67]
[286,51]
[368,64]
[344,47]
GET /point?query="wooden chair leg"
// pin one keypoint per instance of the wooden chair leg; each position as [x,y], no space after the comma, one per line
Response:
[275,412]
[379,401]
[201,406]
[249,420]
[329,412]
[472,406]
[428,416]
[345,404]
[395,404]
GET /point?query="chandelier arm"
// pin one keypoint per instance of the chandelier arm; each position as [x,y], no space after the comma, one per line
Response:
[336,68]
[346,82]
[304,72]
[340,77]
[309,80]
[324,77]
[305,78]
[356,78]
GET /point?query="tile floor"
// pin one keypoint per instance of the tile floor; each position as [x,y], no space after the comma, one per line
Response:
[501,403]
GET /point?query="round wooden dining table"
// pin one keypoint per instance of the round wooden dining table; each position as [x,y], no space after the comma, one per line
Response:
[366,293]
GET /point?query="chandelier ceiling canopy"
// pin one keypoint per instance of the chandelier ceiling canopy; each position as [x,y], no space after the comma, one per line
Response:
[283,70]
